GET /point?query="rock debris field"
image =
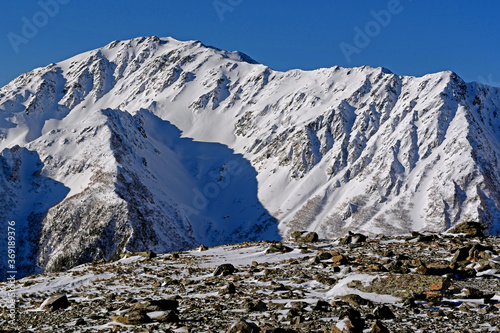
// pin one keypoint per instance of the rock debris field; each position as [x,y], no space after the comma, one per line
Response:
[420,282]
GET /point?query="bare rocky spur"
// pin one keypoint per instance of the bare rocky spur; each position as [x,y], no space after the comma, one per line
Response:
[418,282]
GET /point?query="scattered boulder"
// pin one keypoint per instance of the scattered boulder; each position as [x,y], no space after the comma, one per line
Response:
[296,235]
[426,238]
[321,306]
[378,327]
[397,266]
[56,302]
[350,322]
[300,306]
[383,312]
[471,229]
[80,322]
[168,317]
[256,306]
[461,254]
[478,252]
[346,326]
[440,285]
[473,293]
[145,254]
[355,299]
[304,237]
[326,280]
[278,248]
[353,238]
[340,259]
[157,305]
[242,326]
[132,317]
[230,289]
[324,255]
[224,269]
[283,330]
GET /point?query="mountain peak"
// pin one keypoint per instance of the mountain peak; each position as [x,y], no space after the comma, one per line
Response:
[155,143]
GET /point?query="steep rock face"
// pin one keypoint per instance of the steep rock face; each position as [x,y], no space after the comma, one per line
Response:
[26,194]
[329,150]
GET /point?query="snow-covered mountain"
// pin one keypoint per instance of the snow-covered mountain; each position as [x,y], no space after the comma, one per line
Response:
[157,144]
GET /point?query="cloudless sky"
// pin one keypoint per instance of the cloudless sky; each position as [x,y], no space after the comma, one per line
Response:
[418,37]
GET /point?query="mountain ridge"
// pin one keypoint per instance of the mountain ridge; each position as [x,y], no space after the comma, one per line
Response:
[330,150]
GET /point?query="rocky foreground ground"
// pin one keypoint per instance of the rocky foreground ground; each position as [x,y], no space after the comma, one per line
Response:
[413,283]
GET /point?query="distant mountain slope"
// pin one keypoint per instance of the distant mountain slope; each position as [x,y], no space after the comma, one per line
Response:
[163,144]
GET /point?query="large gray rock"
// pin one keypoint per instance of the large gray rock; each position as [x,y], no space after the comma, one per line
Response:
[57,302]
[224,269]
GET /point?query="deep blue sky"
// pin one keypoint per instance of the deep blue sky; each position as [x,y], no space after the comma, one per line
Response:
[419,37]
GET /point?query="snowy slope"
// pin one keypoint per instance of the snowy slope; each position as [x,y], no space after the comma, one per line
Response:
[162,144]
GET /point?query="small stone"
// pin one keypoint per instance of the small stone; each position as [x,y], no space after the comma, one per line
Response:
[357,238]
[461,254]
[345,326]
[326,280]
[396,266]
[256,306]
[230,289]
[132,317]
[168,317]
[433,296]
[441,285]
[296,235]
[321,306]
[146,254]
[473,293]
[157,305]
[355,299]
[383,312]
[409,302]
[299,305]
[352,238]
[324,256]
[279,248]
[304,237]
[350,322]
[378,327]
[310,237]
[80,322]
[224,269]
[242,326]
[56,302]
[350,313]
[314,261]
[292,313]
[340,259]
[202,248]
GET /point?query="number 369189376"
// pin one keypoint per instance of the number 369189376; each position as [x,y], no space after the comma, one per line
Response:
[11,239]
